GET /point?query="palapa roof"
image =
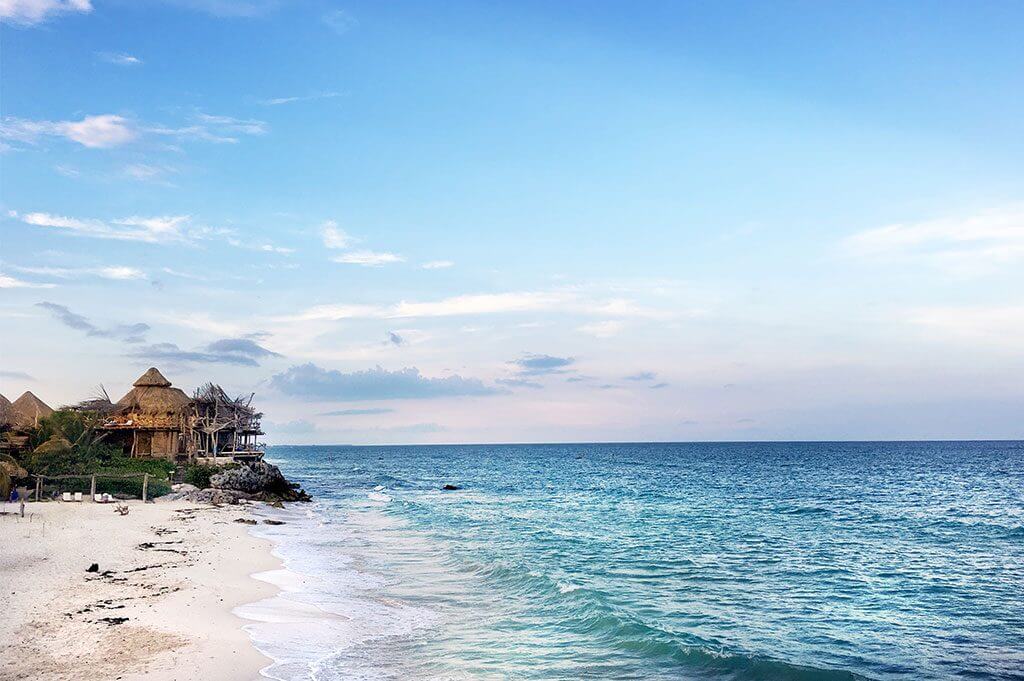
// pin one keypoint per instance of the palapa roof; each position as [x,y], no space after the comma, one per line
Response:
[28,409]
[152,395]
[6,412]
[152,379]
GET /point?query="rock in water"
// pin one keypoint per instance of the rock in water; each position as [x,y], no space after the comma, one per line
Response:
[450,488]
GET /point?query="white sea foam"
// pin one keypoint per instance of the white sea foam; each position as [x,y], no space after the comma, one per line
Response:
[329,612]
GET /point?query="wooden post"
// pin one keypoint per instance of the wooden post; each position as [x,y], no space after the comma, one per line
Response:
[145,486]
[92,488]
[39,487]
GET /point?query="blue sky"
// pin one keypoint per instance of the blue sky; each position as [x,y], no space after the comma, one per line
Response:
[477,222]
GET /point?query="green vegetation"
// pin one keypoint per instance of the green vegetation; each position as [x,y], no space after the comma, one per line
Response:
[199,475]
[68,443]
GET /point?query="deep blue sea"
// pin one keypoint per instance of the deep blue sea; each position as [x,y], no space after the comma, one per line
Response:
[887,560]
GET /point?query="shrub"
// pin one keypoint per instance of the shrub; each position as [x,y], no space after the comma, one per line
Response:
[199,475]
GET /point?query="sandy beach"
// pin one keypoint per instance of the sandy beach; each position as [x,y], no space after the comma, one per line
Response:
[159,607]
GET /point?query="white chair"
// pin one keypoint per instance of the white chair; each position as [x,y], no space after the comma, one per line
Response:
[78,496]
[65,496]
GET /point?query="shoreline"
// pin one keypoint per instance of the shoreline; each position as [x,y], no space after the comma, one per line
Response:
[160,606]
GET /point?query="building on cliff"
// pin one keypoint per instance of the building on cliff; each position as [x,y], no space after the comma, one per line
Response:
[157,420]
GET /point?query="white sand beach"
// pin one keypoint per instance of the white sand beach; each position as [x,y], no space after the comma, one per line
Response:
[173,570]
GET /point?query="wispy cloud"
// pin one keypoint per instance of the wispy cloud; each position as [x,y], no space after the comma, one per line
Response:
[334,236]
[213,128]
[358,412]
[991,325]
[130,333]
[160,229]
[438,265]
[95,132]
[471,304]
[237,351]
[120,273]
[519,383]
[539,365]
[965,245]
[311,382]
[19,375]
[604,329]
[119,58]
[107,131]
[30,12]
[642,376]
[367,258]
[7,281]
[278,101]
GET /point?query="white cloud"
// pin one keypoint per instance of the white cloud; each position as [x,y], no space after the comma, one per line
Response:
[993,325]
[605,329]
[162,229]
[334,236]
[99,132]
[212,128]
[95,132]
[277,101]
[148,173]
[448,307]
[367,258]
[966,245]
[28,12]
[111,272]
[119,58]
[111,130]
[438,264]
[11,282]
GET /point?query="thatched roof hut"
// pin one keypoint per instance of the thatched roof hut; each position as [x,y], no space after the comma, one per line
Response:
[6,412]
[28,409]
[153,399]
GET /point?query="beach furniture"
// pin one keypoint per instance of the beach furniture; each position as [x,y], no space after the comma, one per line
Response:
[78,496]
[66,496]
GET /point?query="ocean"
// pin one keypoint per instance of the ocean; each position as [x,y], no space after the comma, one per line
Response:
[880,560]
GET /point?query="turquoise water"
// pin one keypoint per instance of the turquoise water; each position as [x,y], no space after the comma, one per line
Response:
[651,561]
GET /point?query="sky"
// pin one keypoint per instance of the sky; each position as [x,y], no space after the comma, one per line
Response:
[415,222]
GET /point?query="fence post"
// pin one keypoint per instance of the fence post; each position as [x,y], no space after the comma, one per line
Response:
[145,486]
[39,487]
[92,488]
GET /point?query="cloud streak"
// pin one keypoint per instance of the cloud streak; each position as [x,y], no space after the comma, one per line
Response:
[967,245]
[313,383]
[129,333]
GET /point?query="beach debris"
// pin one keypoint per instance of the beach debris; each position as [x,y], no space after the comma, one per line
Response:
[245,521]
[113,621]
[276,504]
[273,522]
[450,488]
[159,546]
[121,508]
[95,567]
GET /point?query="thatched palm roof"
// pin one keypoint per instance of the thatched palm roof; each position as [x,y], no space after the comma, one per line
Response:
[153,396]
[6,412]
[152,379]
[28,409]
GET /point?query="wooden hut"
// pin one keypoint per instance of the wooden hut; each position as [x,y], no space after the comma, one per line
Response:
[28,409]
[152,419]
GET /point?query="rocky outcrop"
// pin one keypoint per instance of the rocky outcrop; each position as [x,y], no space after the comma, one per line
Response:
[258,480]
